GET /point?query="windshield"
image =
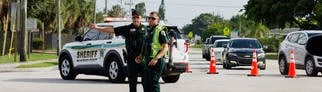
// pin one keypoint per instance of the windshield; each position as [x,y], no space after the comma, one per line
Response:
[313,34]
[245,44]
[221,43]
[213,39]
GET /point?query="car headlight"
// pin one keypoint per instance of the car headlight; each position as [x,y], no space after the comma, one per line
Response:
[261,55]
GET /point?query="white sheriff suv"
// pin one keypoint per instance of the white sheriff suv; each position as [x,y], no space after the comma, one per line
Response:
[99,53]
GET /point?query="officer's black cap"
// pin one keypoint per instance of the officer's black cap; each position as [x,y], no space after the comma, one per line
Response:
[135,12]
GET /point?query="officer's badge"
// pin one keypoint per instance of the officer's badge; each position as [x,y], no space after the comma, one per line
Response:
[132,30]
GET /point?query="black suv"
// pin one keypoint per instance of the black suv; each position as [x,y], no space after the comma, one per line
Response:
[239,52]
[209,44]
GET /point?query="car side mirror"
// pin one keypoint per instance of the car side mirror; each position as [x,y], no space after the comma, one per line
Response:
[79,38]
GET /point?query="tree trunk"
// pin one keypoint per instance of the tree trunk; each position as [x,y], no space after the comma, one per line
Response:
[4,18]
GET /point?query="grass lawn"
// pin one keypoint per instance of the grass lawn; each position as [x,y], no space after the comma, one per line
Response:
[271,56]
[33,57]
[39,65]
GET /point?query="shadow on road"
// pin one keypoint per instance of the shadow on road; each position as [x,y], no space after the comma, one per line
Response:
[61,81]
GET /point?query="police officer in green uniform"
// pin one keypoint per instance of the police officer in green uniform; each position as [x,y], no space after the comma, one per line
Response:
[134,36]
[154,50]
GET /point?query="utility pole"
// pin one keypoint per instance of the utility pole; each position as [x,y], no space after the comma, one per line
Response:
[94,21]
[23,32]
[106,7]
[130,4]
[59,28]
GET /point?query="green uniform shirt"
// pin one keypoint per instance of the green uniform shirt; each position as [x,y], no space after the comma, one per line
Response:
[149,40]
[134,38]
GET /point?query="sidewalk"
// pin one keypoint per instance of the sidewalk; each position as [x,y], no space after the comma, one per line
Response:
[11,67]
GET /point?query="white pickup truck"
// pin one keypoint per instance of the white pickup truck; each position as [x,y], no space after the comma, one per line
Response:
[99,53]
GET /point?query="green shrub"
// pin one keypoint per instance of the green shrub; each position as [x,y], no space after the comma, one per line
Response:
[37,43]
[272,43]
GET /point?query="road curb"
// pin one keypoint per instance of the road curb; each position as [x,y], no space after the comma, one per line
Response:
[11,67]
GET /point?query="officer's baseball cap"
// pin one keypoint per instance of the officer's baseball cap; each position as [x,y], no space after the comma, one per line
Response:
[136,12]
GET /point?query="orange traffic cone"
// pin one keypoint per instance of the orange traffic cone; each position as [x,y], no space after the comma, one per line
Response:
[254,69]
[212,65]
[292,67]
[188,68]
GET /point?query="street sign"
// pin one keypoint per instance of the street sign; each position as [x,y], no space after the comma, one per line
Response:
[190,34]
[226,31]
[31,24]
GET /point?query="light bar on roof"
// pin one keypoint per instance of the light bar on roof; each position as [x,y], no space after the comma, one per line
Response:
[116,19]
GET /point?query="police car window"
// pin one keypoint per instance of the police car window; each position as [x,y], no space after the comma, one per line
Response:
[91,35]
[105,36]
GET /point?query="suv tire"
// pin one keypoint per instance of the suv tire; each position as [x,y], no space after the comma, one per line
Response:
[310,68]
[115,71]
[66,68]
[171,79]
[282,65]
[227,65]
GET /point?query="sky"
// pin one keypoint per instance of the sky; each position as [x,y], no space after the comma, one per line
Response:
[181,12]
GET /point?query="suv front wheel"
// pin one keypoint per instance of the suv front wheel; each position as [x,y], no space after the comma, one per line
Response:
[115,71]
[283,65]
[310,67]
[66,68]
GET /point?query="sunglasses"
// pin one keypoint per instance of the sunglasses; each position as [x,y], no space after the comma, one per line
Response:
[135,17]
[152,18]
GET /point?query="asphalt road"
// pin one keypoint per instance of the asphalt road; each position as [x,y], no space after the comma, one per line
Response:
[235,80]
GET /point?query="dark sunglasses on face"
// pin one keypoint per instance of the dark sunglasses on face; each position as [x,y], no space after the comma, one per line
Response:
[152,18]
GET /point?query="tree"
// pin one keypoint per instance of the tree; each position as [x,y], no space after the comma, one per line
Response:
[116,11]
[45,11]
[280,13]
[141,8]
[248,27]
[162,10]
[214,29]
[201,22]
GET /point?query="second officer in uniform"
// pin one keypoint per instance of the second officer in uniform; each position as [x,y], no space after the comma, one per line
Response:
[134,36]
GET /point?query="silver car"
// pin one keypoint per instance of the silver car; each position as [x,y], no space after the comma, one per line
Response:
[297,41]
[219,47]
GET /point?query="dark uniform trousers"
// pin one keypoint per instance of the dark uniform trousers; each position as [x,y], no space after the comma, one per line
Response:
[152,75]
[133,70]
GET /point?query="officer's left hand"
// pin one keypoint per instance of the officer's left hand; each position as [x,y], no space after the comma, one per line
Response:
[153,62]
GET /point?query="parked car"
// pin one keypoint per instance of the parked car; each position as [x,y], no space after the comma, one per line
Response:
[239,52]
[218,49]
[210,44]
[99,53]
[297,41]
[204,48]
